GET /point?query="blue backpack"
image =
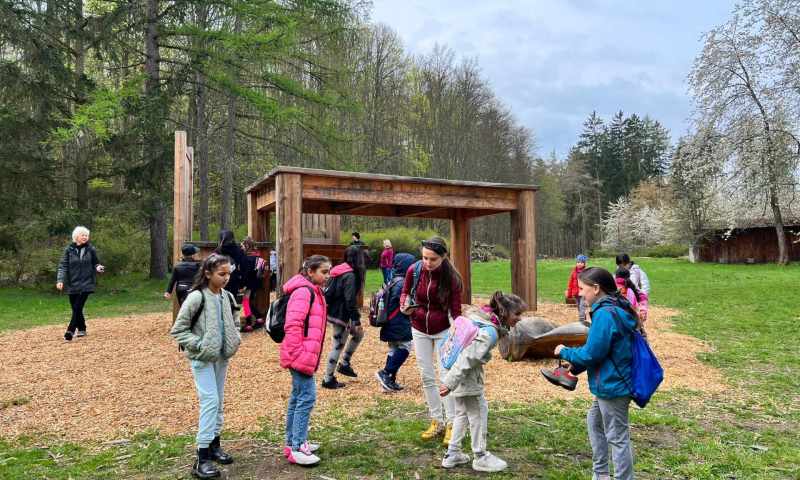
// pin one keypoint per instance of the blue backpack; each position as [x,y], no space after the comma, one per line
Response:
[646,372]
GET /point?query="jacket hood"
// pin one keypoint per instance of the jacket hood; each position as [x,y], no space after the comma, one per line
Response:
[341,269]
[296,282]
[402,262]
[629,321]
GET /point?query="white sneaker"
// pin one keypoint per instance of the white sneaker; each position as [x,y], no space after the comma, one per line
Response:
[303,456]
[312,447]
[451,460]
[488,463]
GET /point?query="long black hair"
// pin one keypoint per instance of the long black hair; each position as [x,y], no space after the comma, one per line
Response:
[625,274]
[450,275]
[210,264]
[225,238]
[354,256]
[600,277]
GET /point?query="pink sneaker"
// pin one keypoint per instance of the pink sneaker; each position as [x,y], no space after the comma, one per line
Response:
[303,456]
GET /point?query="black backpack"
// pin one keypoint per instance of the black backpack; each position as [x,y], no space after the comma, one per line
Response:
[196,316]
[276,317]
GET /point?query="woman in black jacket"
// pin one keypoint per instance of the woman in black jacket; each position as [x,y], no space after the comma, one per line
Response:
[228,246]
[341,294]
[78,270]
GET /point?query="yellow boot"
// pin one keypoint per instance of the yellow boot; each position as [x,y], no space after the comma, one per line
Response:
[448,434]
[433,431]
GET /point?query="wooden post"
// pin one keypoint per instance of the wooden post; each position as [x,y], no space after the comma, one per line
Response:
[189,197]
[180,191]
[523,248]
[460,252]
[255,220]
[289,225]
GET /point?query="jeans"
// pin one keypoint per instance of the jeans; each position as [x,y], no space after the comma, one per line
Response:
[472,410]
[387,275]
[581,309]
[78,321]
[427,355]
[301,402]
[209,380]
[340,334]
[608,425]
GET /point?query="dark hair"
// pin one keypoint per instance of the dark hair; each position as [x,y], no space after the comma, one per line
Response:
[506,304]
[449,273]
[354,256]
[210,264]
[596,276]
[313,263]
[625,274]
[623,259]
[248,244]
[225,238]
[357,235]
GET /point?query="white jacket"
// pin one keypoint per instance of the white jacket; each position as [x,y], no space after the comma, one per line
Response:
[639,278]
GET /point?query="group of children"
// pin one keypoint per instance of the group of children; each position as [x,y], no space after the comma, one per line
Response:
[421,299]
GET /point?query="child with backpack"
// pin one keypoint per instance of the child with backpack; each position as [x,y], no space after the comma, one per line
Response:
[464,379]
[637,298]
[397,329]
[207,329]
[572,294]
[301,349]
[341,294]
[607,358]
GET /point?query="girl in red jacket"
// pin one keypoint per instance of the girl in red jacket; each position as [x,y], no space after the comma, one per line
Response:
[431,296]
[300,353]
[572,286]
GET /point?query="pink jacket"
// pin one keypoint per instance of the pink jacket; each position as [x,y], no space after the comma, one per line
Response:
[298,352]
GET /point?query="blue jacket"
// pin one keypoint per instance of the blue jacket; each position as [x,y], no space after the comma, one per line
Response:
[606,342]
[398,329]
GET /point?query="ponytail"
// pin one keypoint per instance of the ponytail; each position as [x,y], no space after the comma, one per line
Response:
[506,304]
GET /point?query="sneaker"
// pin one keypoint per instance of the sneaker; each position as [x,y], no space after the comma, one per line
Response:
[436,429]
[488,463]
[68,336]
[302,456]
[247,328]
[346,370]
[448,434]
[394,385]
[451,460]
[80,333]
[385,380]
[333,384]
[560,376]
[312,447]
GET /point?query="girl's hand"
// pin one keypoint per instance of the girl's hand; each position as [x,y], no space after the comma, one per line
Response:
[60,286]
[100,268]
[167,295]
[558,349]
[443,390]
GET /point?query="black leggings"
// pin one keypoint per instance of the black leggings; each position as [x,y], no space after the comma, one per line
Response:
[77,301]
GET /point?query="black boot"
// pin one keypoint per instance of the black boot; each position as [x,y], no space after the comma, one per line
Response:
[217,454]
[203,467]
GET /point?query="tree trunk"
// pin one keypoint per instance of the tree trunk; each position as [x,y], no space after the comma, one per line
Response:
[201,154]
[81,168]
[783,252]
[229,158]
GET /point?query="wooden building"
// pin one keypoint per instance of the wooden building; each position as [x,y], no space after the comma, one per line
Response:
[757,244]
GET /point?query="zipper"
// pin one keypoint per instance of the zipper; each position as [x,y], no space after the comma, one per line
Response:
[428,310]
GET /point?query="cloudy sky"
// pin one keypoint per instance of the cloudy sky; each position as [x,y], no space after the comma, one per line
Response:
[554,61]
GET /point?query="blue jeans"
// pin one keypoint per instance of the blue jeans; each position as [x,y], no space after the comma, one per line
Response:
[302,400]
[209,380]
[387,275]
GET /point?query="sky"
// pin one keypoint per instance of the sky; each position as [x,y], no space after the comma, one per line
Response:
[553,62]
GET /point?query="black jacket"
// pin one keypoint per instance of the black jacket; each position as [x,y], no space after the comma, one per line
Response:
[76,270]
[240,263]
[398,329]
[341,295]
[183,274]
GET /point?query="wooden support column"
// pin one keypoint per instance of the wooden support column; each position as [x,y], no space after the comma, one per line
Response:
[460,251]
[288,223]
[179,200]
[256,228]
[523,248]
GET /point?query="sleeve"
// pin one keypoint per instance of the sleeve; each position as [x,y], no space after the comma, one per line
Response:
[95,258]
[474,355]
[645,282]
[407,283]
[455,299]
[182,328]
[63,267]
[572,283]
[235,308]
[597,345]
[636,276]
[350,290]
[173,279]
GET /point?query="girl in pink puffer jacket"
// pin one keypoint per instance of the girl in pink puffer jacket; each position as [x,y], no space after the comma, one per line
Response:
[300,353]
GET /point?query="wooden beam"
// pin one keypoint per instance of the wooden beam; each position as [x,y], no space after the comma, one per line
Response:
[426,212]
[179,201]
[460,252]
[523,248]
[335,208]
[289,225]
[265,199]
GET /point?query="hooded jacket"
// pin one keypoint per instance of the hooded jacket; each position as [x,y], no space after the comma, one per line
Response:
[432,315]
[77,268]
[398,328]
[609,343]
[341,295]
[206,342]
[302,352]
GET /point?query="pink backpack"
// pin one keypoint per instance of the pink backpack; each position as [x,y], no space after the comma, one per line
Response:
[462,333]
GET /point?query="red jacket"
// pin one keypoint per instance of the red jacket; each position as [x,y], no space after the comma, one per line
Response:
[431,317]
[387,258]
[572,285]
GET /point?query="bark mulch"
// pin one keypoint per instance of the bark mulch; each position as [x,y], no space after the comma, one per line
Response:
[127,376]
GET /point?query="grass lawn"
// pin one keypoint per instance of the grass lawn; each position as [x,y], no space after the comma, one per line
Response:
[751,432]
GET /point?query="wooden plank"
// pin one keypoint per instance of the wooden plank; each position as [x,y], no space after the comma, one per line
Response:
[289,228]
[426,212]
[460,251]
[178,199]
[256,227]
[265,199]
[189,183]
[523,249]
